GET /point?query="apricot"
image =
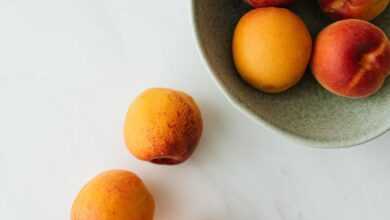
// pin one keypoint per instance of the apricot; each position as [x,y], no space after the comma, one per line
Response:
[114,195]
[163,126]
[360,9]
[271,48]
[351,58]
[267,3]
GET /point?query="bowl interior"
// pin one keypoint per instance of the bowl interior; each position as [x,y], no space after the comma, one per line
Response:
[306,112]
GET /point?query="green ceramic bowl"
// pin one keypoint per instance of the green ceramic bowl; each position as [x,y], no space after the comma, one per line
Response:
[306,113]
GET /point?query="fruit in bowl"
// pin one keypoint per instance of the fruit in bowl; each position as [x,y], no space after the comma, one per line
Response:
[360,9]
[271,48]
[351,58]
[306,112]
[266,3]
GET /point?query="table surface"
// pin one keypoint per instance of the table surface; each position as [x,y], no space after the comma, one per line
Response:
[70,68]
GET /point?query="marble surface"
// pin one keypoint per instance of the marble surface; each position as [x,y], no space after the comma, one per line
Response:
[69,69]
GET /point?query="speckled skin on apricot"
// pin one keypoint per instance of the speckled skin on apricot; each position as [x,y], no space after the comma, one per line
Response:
[351,58]
[163,126]
[271,48]
[114,195]
[361,9]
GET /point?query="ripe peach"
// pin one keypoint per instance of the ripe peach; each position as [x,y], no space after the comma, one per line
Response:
[271,48]
[114,195]
[351,58]
[163,126]
[267,3]
[361,9]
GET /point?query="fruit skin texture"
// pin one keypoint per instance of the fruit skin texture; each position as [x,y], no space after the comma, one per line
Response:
[360,9]
[114,195]
[271,48]
[267,3]
[163,126]
[351,58]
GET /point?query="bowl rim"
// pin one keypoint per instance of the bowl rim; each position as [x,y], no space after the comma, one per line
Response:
[299,139]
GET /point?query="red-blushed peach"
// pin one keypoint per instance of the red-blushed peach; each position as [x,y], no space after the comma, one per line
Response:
[163,126]
[360,9]
[351,58]
[267,3]
[271,48]
[114,195]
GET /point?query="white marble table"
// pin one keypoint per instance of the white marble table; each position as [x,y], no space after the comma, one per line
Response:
[69,69]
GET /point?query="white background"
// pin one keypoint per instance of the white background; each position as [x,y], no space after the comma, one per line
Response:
[70,68]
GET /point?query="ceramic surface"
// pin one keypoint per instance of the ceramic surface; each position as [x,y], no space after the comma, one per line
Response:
[305,113]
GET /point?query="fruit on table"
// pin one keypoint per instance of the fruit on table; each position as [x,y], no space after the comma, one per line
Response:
[114,195]
[351,58]
[271,48]
[163,126]
[266,3]
[361,9]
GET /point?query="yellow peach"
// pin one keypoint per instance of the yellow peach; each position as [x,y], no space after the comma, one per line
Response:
[114,195]
[271,48]
[163,126]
